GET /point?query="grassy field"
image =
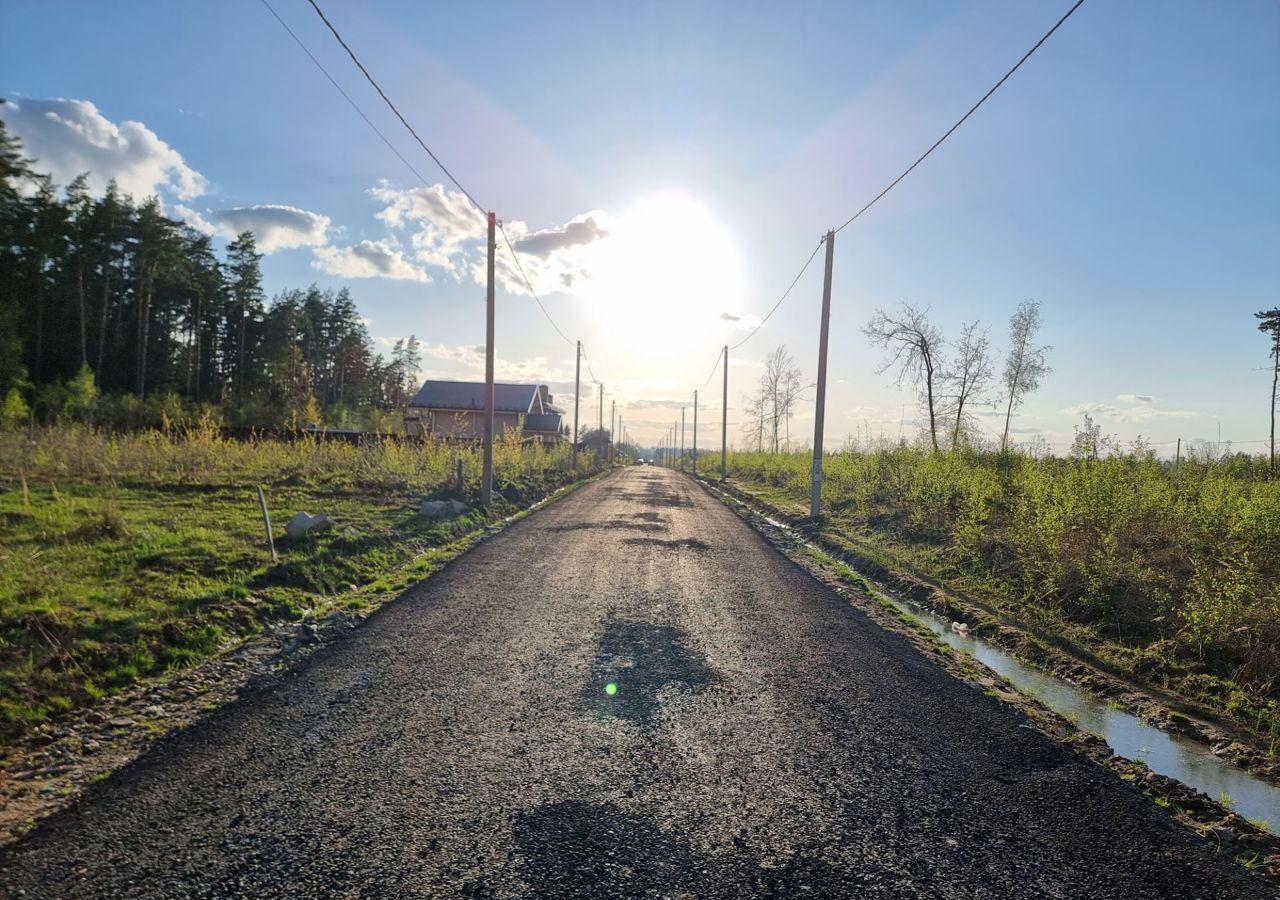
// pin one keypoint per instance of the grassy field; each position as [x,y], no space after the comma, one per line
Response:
[126,556]
[1170,574]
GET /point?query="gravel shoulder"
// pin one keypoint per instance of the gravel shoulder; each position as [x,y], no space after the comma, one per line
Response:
[762,737]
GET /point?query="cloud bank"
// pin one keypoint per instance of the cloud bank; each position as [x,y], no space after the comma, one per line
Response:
[274,227]
[71,137]
[368,259]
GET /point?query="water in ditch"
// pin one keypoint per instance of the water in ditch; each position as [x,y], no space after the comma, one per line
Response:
[1174,756]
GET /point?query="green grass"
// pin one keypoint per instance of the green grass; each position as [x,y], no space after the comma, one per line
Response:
[126,557]
[1168,575]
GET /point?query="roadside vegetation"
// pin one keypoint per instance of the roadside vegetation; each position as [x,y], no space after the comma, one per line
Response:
[123,556]
[1170,573]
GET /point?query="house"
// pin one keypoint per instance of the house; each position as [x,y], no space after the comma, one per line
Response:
[454,410]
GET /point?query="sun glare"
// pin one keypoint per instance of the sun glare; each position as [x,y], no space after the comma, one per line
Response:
[666,274]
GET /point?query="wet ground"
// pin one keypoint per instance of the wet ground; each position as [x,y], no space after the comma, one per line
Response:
[627,694]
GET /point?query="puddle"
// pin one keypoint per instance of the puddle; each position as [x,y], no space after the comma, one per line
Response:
[1174,756]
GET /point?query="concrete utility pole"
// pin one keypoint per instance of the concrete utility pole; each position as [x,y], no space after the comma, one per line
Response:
[486,481]
[577,393]
[613,421]
[724,420]
[820,410]
[695,434]
[600,420]
[682,437]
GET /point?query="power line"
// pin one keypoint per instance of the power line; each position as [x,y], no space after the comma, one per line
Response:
[719,356]
[588,362]
[784,296]
[514,255]
[962,119]
[376,130]
[381,93]
[528,284]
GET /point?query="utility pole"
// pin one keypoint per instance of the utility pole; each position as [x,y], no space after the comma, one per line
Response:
[577,393]
[486,481]
[820,411]
[600,420]
[724,420]
[1177,459]
[682,437]
[695,434]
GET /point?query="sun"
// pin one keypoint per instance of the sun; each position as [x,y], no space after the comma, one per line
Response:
[665,275]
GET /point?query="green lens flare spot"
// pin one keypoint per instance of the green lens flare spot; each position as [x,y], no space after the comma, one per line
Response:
[611,689]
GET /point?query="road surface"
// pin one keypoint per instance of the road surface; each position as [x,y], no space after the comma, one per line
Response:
[627,694]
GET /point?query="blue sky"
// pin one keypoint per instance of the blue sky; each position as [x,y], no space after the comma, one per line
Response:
[1125,177]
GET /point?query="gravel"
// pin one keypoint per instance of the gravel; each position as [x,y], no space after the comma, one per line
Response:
[762,738]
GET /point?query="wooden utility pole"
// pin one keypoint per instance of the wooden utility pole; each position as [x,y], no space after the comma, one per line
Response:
[577,390]
[724,420]
[486,480]
[695,434]
[820,411]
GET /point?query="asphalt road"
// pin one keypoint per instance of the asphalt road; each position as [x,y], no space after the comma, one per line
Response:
[765,739]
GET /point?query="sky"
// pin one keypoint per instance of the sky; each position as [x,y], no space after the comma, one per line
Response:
[664,170]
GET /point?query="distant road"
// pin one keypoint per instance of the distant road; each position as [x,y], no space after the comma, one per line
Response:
[761,738]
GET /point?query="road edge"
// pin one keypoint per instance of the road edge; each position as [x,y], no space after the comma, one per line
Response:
[1254,849]
[185,699]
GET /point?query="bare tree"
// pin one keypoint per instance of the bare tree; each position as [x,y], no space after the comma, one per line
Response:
[1025,364]
[781,387]
[1270,324]
[915,346]
[969,375]
[753,423]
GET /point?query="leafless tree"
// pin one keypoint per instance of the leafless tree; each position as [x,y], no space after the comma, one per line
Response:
[1025,364]
[969,375]
[753,422]
[781,387]
[915,350]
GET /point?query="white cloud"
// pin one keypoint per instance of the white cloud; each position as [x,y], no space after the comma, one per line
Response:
[742,321]
[70,137]
[368,259]
[446,232]
[1138,408]
[443,223]
[275,227]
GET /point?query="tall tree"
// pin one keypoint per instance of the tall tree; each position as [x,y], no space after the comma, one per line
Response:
[1026,364]
[154,254]
[915,350]
[969,375]
[244,280]
[1269,323]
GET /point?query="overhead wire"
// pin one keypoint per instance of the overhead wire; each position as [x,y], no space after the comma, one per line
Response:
[387,100]
[443,168]
[784,296]
[345,96]
[961,121]
[936,144]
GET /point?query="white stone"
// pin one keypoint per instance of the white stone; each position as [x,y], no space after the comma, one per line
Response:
[304,523]
[434,509]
